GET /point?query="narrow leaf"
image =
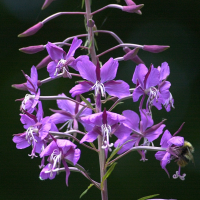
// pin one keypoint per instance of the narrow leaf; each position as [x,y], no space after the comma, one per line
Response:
[86,190]
[117,105]
[92,145]
[147,197]
[95,43]
[83,1]
[114,152]
[87,103]
[108,174]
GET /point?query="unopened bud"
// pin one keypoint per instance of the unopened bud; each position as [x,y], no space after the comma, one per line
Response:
[47,3]
[155,48]
[44,62]
[90,23]
[132,8]
[32,49]
[23,86]
[129,3]
[131,54]
[31,31]
[135,59]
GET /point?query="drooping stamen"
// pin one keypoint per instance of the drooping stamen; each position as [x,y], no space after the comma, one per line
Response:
[55,161]
[69,125]
[169,102]
[59,66]
[27,98]
[30,135]
[178,175]
[99,89]
[153,94]
[106,131]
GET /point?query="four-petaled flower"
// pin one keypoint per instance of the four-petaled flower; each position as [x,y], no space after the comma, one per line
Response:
[140,129]
[61,60]
[70,113]
[146,82]
[37,129]
[105,124]
[100,79]
[31,100]
[59,151]
[173,146]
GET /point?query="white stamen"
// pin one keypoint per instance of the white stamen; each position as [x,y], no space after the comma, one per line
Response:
[177,175]
[99,88]
[55,161]
[106,130]
[30,135]
[27,98]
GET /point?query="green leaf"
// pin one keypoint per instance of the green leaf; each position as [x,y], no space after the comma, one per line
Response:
[86,190]
[87,103]
[117,105]
[107,98]
[83,1]
[95,43]
[92,145]
[108,173]
[114,152]
[147,197]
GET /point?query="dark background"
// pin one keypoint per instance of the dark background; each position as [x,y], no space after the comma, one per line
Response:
[174,23]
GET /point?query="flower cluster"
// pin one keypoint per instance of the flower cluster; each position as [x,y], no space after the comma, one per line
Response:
[55,138]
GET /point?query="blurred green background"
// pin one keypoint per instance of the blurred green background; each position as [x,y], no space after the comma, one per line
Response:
[174,23]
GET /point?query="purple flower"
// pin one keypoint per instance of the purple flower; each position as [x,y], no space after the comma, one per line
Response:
[173,146]
[104,124]
[100,79]
[61,60]
[140,129]
[164,96]
[146,82]
[69,113]
[37,129]
[59,151]
[31,100]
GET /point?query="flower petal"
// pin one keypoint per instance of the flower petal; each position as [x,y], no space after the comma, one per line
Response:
[154,134]
[137,93]
[55,52]
[82,87]
[153,77]
[109,70]
[117,88]
[89,137]
[139,74]
[177,140]
[132,120]
[75,45]
[66,105]
[87,70]
[164,71]
[51,68]
[166,136]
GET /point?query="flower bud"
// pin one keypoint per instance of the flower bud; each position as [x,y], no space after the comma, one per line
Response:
[90,23]
[47,3]
[135,59]
[131,54]
[129,3]
[23,86]
[32,49]
[31,31]
[132,8]
[155,48]
[44,62]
